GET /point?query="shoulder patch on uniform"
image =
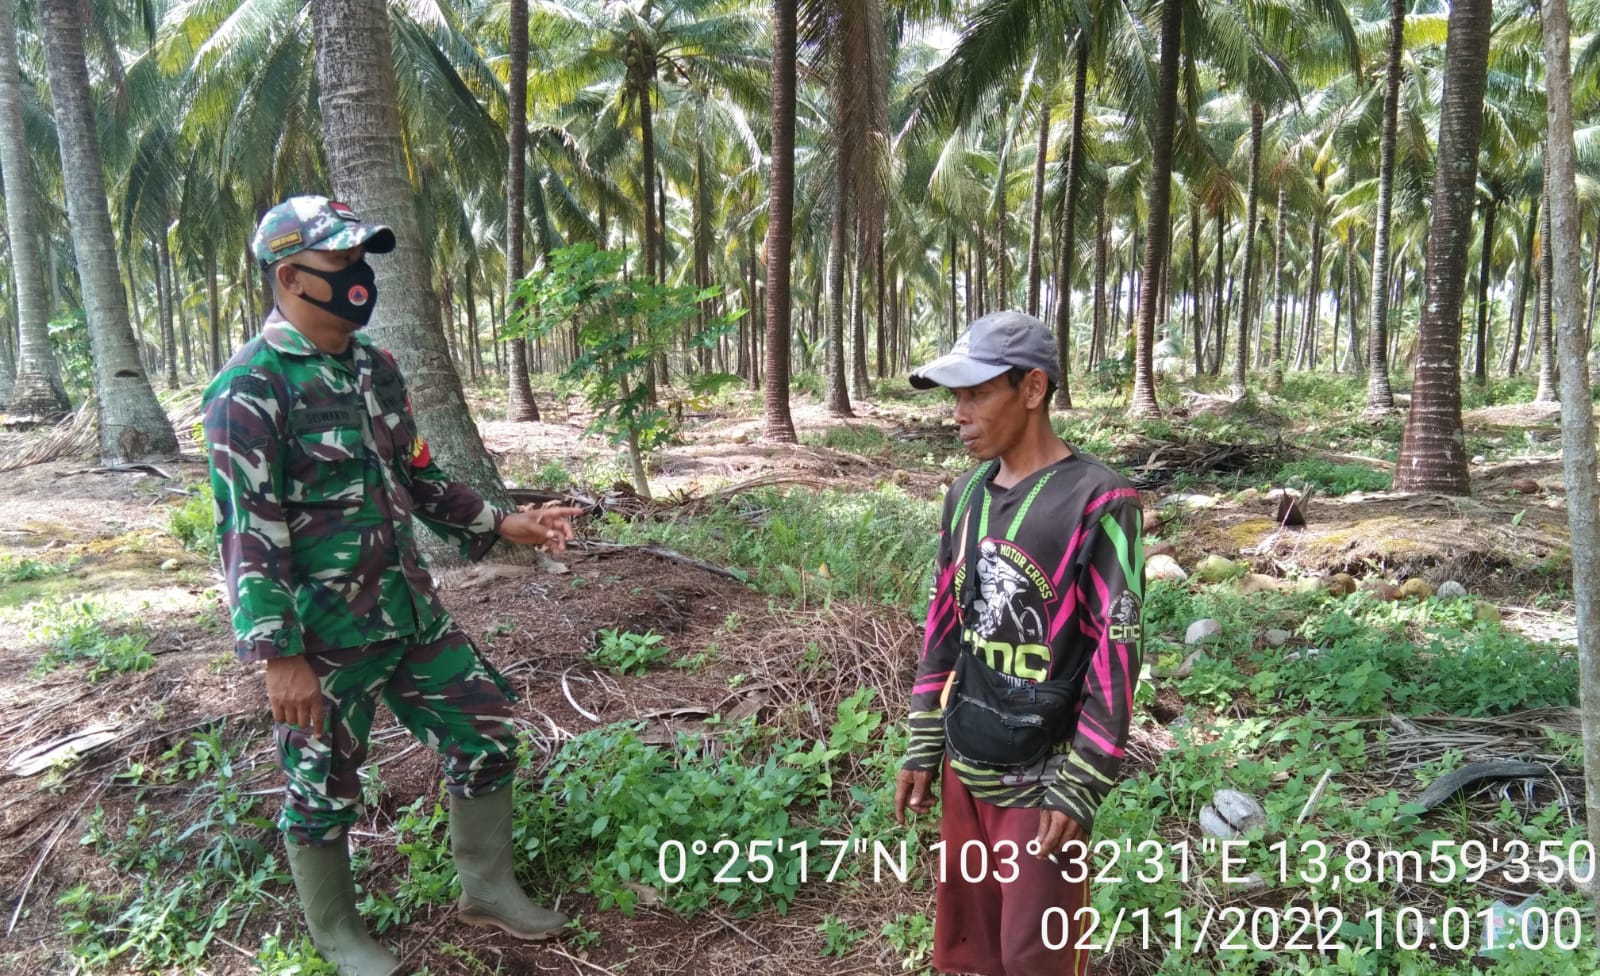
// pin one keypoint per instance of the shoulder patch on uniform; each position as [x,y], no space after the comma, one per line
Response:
[250,386]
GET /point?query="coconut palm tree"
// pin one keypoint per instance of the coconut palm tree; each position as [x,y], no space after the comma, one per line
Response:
[1578,449]
[362,135]
[1143,402]
[778,425]
[1379,395]
[850,51]
[36,394]
[519,404]
[1433,454]
[132,422]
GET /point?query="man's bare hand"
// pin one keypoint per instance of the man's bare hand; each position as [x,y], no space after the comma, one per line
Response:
[913,788]
[1057,830]
[295,693]
[533,526]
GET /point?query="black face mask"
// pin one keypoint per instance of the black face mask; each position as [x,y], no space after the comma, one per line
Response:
[355,292]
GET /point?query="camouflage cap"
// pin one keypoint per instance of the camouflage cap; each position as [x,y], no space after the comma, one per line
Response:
[315,223]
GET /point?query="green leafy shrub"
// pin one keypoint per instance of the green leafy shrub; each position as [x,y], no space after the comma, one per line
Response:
[840,937]
[190,876]
[69,337]
[280,956]
[74,632]
[1379,657]
[627,653]
[873,545]
[616,815]
[27,569]
[623,323]
[627,810]
[1335,478]
[193,523]
[554,476]
[911,938]
[855,438]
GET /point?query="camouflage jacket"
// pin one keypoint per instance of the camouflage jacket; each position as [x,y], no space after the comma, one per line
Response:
[316,468]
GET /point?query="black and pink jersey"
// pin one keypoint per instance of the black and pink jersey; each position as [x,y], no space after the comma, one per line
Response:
[1059,594]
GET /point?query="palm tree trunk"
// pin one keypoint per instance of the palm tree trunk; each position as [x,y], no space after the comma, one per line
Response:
[778,425]
[1355,353]
[1155,254]
[878,319]
[1339,302]
[1379,394]
[643,74]
[969,307]
[1035,240]
[1002,296]
[213,306]
[1547,335]
[1275,373]
[1067,246]
[132,423]
[1312,327]
[494,329]
[1433,454]
[858,316]
[1480,373]
[165,289]
[1594,285]
[1397,296]
[176,291]
[838,394]
[700,232]
[744,363]
[661,374]
[1102,257]
[1219,311]
[980,271]
[362,134]
[520,405]
[36,395]
[1577,410]
[474,363]
[1247,301]
[1196,287]
[1519,305]
[951,253]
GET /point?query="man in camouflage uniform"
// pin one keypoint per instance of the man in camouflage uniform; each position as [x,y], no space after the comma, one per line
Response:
[317,469]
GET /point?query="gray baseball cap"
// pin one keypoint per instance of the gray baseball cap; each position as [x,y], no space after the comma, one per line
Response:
[991,346]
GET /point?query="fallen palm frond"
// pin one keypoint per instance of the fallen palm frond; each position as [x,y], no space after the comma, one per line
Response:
[1152,463]
[76,436]
[621,499]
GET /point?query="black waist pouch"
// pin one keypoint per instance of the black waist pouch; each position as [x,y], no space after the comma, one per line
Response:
[1005,724]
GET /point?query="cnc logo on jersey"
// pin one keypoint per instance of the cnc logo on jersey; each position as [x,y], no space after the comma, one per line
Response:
[1125,619]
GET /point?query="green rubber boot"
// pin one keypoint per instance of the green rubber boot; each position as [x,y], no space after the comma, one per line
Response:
[480,839]
[328,896]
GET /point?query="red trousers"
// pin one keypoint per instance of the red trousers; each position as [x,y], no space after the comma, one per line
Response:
[992,926]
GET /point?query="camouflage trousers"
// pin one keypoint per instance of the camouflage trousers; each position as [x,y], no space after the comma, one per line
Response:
[436,684]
